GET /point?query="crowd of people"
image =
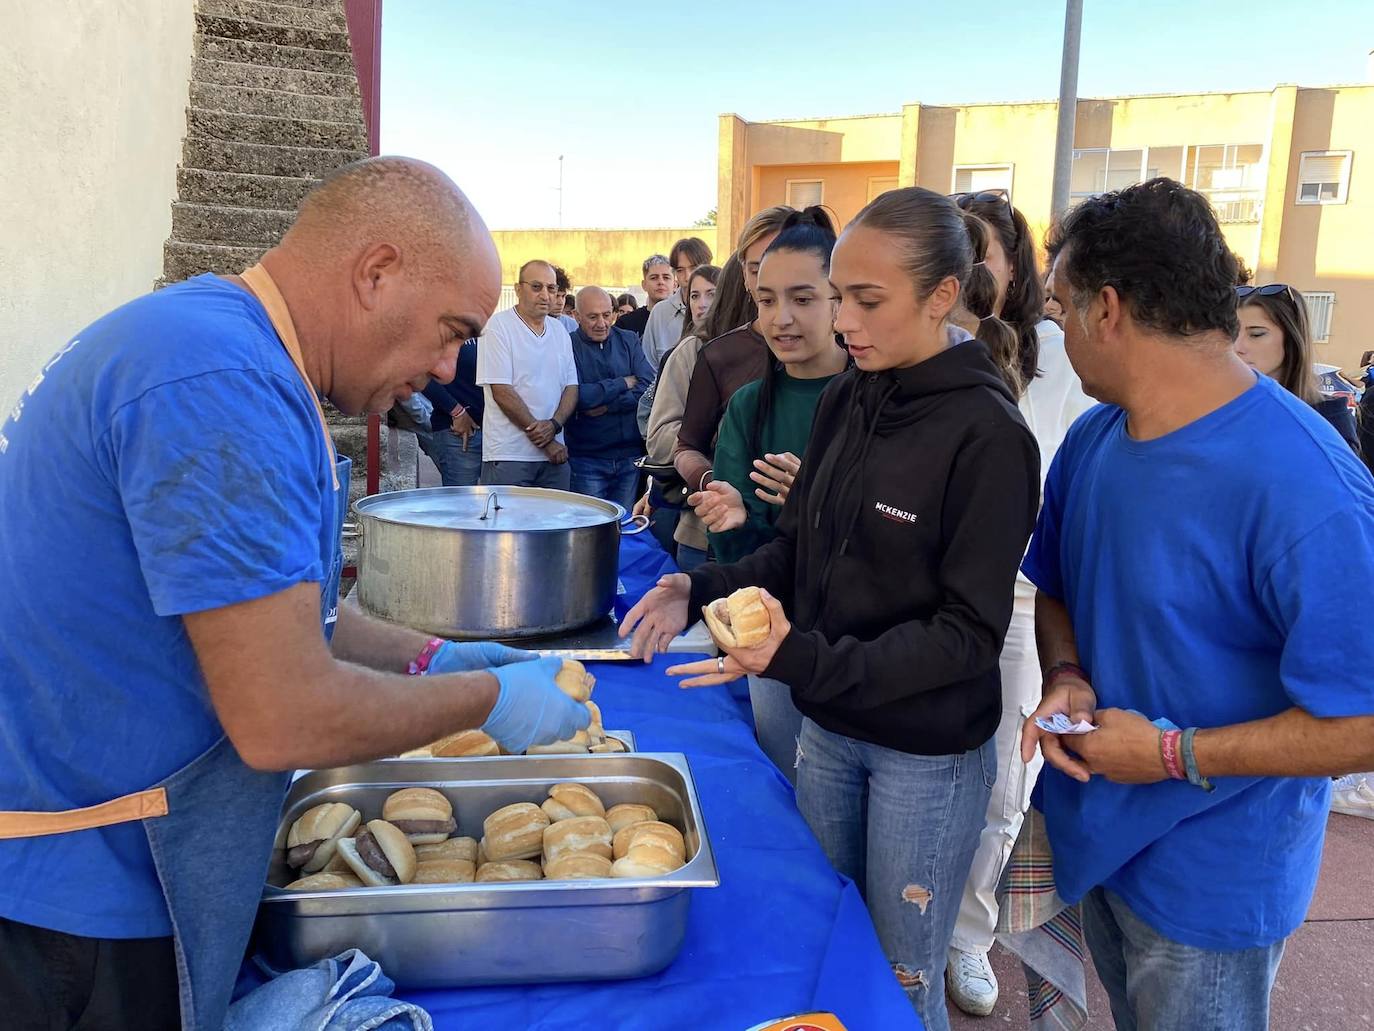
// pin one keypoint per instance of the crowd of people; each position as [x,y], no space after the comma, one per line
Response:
[1078,552]
[869,426]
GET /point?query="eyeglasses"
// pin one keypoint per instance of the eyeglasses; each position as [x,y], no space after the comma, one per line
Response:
[1268,290]
[540,288]
[967,200]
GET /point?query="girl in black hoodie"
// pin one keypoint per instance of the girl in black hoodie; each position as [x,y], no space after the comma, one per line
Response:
[889,585]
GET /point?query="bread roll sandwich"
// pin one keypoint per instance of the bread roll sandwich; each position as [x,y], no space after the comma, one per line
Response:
[380,855]
[566,801]
[739,621]
[445,871]
[574,680]
[577,866]
[611,744]
[464,744]
[579,744]
[580,834]
[311,842]
[423,815]
[453,848]
[662,835]
[514,832]
[509,870]
[325,882]
[621,816]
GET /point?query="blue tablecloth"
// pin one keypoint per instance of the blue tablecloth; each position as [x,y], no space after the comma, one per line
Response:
[782,934]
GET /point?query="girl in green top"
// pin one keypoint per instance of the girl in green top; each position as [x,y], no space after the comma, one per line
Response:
[767,422]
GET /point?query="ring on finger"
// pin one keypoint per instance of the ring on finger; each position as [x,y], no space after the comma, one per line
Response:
[720,663]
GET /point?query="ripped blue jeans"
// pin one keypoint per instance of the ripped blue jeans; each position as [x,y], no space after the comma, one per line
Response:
[904,828]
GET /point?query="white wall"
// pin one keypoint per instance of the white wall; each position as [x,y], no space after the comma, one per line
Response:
[92,107]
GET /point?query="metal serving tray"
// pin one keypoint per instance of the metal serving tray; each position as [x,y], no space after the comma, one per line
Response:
[450,935]
[626,737]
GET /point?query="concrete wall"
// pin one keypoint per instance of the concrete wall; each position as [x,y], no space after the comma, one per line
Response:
[93,110]
[844,191]
[604,257]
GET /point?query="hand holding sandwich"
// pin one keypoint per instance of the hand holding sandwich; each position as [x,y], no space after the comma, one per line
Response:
[749,627]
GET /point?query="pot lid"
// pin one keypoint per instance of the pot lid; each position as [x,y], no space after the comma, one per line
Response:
[490,508]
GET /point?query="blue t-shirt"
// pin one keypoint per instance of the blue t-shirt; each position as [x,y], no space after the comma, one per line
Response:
[1214,576]
[195,475]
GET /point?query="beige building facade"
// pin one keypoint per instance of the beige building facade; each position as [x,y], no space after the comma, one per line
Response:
[1290,173]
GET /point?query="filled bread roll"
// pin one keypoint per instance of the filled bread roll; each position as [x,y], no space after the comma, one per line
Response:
[578,744]
[379,855]
[580,834]
[509,870]
[423,815]
[574,680]
[621,816]
[445,871]
[664,835]
[514,832]
[610,745]
[418,753]
[312,840]
[568,800]
[453,848]
[739,621]
[464,744]
[577,866]
[332,882]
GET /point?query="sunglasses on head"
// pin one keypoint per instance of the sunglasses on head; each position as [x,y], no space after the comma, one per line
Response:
[1268,290]
[967,200]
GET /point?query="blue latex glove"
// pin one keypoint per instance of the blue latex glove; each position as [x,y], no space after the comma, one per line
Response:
[469,656]
[531,710]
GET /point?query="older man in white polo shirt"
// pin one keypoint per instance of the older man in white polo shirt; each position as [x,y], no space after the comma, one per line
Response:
[525,365]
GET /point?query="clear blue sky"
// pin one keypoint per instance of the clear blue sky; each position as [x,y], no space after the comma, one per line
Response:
[495,92]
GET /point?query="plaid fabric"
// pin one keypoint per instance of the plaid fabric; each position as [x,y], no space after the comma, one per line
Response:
[1047,934]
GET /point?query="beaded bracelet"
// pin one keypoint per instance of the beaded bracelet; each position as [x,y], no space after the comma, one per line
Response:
[419,665]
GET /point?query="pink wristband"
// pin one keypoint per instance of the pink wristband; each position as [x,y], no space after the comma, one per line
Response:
[1172,754]
[419,665]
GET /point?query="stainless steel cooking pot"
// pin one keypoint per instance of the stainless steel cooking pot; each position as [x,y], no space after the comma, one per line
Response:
[488,562]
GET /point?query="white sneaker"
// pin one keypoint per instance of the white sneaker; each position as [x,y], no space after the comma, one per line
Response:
[1353,796]
[971,983]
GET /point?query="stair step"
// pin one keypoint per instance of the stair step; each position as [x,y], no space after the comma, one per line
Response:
[271,55]
[216,223]
[281,132]
[288,80]
[237,189]
[275,103]
[320,19]
[280,35]
[314,5]
[181,260]
[208,155]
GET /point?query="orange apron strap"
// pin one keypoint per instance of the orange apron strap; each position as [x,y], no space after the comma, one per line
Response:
[141,805]
[265,290]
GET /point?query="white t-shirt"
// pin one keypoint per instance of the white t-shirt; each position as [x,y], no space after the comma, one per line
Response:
[538,367]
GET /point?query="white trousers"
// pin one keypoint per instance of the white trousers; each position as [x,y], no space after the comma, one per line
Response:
[973,932]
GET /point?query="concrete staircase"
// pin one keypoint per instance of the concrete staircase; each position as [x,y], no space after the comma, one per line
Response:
[274,107]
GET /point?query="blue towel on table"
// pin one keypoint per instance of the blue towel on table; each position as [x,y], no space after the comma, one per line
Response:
[346,993]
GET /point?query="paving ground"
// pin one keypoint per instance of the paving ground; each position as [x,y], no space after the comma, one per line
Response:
[1326,980]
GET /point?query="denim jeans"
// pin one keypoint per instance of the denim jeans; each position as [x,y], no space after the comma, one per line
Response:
[688,557]
[904,828]
[1156,984]
[526,474]
[457,467]
[777,723]
[611,479]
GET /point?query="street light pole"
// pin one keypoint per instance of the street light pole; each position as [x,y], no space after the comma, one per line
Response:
[1068,107]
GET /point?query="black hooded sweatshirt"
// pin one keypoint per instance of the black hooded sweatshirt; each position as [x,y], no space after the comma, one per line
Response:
[897,554]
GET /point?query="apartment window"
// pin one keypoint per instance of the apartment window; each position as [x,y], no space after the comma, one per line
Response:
[977,178]
[1319,305]
[1323,177]
[1099,170]
[803,193]
[1229,175]
[878,184]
